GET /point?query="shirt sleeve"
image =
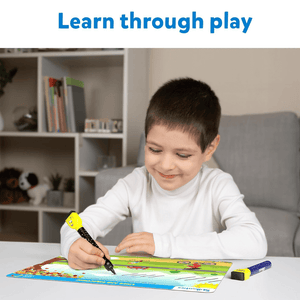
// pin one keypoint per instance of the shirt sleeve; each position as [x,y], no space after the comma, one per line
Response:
[242,237]
[100,218]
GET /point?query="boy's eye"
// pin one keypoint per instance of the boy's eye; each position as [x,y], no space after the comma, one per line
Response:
[154,150]
[183,155]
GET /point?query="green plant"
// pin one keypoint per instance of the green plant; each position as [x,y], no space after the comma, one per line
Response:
[55,179]
[69,185]
[5,76]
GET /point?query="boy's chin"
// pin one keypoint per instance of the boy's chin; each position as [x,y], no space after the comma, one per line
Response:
[169,184]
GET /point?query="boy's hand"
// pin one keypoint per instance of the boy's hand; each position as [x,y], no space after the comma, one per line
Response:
[139,241]
[83,255]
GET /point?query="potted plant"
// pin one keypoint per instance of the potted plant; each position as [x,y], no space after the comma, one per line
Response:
[55,196]
[69,192]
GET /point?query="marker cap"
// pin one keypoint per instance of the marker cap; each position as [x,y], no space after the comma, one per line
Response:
[241,274]
[74,221]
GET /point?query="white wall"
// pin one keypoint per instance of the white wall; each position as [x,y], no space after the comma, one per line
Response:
[246,81]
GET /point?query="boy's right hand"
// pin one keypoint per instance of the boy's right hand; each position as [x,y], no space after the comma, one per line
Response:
[83,255]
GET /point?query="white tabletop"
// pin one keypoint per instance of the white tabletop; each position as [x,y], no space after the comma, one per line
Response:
[280,282]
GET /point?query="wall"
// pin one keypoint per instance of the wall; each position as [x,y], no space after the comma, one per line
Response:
[246,81]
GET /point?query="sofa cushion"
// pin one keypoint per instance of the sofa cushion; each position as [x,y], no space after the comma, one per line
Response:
[261,152]
[280,228]
[107,178]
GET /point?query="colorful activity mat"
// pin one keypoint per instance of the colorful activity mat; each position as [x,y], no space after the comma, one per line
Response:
[134,271]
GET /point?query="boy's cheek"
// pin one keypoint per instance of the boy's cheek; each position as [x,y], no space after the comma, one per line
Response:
[150,159]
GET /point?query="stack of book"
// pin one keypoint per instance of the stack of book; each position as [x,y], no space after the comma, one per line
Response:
[65,104]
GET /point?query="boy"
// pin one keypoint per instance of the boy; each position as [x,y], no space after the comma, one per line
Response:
[179,207]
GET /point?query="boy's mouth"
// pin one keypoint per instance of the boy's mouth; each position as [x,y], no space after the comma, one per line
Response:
[166,176]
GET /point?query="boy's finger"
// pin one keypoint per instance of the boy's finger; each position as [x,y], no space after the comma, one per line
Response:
[80,265]
[137,248]
[90,249]
[82,259]
[129,243]
[141,247]
[132,235]
[104,249]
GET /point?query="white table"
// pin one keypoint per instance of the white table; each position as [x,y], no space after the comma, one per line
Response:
[282,281]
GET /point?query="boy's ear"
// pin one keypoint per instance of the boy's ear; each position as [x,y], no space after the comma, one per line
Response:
[210,150]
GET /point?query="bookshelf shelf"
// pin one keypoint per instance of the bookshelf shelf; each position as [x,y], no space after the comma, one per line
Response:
[62,135]
[79,53]
[116,83]
[37,134]
[41,208]
[103,135]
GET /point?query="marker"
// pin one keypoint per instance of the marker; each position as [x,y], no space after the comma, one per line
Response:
[75,222]
[244,274]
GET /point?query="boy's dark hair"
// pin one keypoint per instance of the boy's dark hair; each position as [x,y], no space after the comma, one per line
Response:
[188,105]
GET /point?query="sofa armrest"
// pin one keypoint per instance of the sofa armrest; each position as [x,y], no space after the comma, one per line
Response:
[106,179]
[297,242]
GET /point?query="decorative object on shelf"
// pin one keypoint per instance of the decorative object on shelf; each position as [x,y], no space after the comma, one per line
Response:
[29,182]
[91,125]
[24,119]
[5,77]
[117,125]
[104,125]
[10,192]
[106,162]
[55,196]
[69,192]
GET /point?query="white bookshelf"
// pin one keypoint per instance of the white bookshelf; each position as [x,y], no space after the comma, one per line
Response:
[116,86]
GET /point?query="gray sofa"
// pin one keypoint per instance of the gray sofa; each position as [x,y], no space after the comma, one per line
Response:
[261,152]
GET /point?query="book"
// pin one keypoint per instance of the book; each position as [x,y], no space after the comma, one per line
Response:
[52,82]
[63,106]
[60,106]
[75,103]
[49,117]
[66,103]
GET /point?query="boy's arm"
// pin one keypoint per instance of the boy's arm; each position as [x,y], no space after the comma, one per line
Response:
[100,218]
[243,237]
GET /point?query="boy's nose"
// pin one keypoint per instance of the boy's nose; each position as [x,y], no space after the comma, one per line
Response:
[167,163]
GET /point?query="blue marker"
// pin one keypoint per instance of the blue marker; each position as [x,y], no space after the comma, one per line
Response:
[244,274]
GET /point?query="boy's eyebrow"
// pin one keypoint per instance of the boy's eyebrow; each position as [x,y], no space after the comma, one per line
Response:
[177,149]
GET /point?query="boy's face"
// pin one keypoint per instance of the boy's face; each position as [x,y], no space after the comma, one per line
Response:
[173,158]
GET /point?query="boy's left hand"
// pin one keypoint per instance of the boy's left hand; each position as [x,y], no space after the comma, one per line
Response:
[139,241]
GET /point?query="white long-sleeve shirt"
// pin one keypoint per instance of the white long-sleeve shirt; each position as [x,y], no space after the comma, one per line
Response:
[204,219]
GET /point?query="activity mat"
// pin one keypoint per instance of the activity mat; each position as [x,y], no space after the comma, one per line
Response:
[137,271]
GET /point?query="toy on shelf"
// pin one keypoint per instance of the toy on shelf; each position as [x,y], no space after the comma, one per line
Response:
[10,191]
[104,125]
[37,192]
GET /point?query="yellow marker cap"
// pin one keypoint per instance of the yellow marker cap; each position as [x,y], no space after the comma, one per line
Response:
[241,274]
[74,221]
